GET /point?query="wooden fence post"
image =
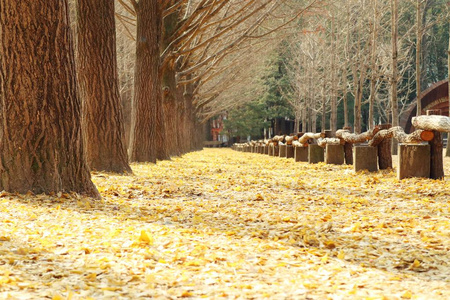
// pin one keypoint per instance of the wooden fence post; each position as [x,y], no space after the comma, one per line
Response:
[436,148]
[385,150]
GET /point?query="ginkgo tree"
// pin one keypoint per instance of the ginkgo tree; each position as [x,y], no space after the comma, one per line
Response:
[41,147]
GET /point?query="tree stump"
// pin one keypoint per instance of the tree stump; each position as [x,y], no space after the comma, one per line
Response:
[413,161]
[301,154]
[436,149]
[289,151]
[270,149]
[266,149]
[282,151]
[315,154]
[348,149]
[348,153]
[385,150]
[334,154]
[276,150]
[365,158]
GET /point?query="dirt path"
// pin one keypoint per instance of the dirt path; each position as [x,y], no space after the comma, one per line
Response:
[219,223]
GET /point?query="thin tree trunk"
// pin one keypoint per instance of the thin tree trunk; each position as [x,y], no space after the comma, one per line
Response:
[147,121]
[333,118]
[418,54]
[324,108]
[394,104]
[447,150]
[189,119]
[373,64]
[103,127]
[41,147]
[345,99]
[357,103]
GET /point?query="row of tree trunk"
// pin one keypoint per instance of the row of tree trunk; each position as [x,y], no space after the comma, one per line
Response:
[56,128]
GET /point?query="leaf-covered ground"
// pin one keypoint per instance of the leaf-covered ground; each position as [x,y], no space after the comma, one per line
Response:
[225,224]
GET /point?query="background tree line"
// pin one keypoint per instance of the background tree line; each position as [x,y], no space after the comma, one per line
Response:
[357,63]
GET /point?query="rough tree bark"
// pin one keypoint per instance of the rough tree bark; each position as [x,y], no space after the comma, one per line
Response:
[354,138]
[323,142]
[147,136]
[418,54]
[170,90]
[436,147]
[397,132]
[103,128]
[41,146]
[394,40]
[438,123]
[447,150]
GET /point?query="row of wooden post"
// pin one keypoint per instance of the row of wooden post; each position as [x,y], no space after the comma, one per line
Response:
[419,159]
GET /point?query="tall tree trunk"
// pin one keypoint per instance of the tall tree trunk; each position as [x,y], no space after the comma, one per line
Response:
[103,128]
[394,103]
[373,64]
[170,94]
[333,118]
[304,119]
[170,111]
[189,119]
[345,98]
[418,55]
[324,108]
[447,150]
[147,136]
[357,103]
[41,148]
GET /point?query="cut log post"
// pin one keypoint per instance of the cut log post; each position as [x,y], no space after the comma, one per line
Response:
[289,151]
[266,149]
[436,149]
[348,153]
[276,150]
[432,122]
[315,154]
[282,151]
[349,139]
[348,150]
[413,161]
[270,147]
[301,154]
[365,158]
[309,135]
[334,154]
[384,149]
